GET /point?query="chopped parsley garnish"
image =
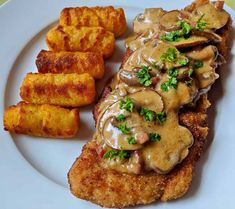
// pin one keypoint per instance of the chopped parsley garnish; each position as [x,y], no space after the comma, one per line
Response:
[161,117]
[183,62]
[148,114]
[190,79]
[165,86]
[170,55]
[124,129]
[201,24]
[111,154]
[121,154]
[185,31]
[190,72]
[173,72]
[127,104]
[144,76]
[131,140]
[153,137]
[124,154]
[172,82]
[171,36]
[185,28]
[120,118]
[198,64]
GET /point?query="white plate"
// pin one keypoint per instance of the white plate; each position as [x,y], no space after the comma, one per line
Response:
[33,171]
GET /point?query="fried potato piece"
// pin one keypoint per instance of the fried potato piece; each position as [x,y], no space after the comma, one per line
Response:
[109,18]
[71,62]
[41,120]
[68,90]
[84,39]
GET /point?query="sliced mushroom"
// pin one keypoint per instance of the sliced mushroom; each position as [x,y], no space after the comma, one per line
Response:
[129,77]
[214,18]
[208,34]
[145,21]
[205,75]
[135,60]
[149,99]
[152,54]
[153,14]
[139,40]
[203,54]
[170,150]
[184,14]
[169,20]
[114,137]
[132,38]
[190,42]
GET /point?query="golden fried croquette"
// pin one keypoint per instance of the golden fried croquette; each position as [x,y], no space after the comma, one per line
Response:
[71,62]
[84,39]
[68,90]
[107,17]
[41,120]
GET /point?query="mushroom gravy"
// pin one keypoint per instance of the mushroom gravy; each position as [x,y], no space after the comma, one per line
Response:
[138,127]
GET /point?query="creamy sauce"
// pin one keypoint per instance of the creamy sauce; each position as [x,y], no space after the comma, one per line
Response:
[205,75]
[148,20]
[214,18]
[174,141]
[149,28]
[150,54]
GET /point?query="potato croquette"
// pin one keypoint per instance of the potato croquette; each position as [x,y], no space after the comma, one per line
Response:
[84,39]
[109,18]
[41,120]
[67,90]
[71,62]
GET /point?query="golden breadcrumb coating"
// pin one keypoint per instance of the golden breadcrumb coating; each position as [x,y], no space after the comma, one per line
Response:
[108,188]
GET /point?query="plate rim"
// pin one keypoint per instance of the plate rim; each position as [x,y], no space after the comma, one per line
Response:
[7,17]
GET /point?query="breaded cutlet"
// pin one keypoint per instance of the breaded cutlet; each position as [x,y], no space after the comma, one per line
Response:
[90,181]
